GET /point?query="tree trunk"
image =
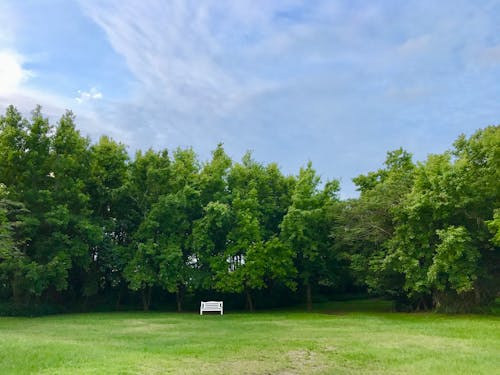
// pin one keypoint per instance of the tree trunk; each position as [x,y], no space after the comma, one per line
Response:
[20,295]
[249,301]
[146,298]
[309,297]
[85,303]
[119,298]
[179,297]
[150,292]
[16,295]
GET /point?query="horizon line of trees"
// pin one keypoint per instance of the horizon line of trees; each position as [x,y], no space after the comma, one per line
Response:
[81,221]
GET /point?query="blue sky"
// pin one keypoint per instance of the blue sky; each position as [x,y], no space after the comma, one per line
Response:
[339,83]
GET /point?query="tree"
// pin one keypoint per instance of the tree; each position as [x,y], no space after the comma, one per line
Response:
[25,172]
[365,226]
[306,230]
[74,233]
[148,179]
[232,272]
[12,260]
[110,204]
[244,252]
[442,244]
[50,181]
[165,236]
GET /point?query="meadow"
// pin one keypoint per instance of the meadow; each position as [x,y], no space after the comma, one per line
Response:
[361,337]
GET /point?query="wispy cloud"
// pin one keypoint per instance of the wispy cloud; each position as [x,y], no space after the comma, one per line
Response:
[176,51]
[186,58]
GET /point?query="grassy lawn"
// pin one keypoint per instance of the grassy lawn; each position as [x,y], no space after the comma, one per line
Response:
[339,338]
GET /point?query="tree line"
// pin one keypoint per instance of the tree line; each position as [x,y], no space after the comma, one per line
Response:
[83,221]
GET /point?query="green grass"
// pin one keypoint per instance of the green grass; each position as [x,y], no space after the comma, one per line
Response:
[339,338]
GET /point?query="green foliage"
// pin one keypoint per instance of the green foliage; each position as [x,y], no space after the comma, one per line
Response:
[494,226]
[81,222]
[366,225]
[455,261]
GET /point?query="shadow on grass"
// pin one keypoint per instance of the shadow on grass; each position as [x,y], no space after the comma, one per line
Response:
[372,305]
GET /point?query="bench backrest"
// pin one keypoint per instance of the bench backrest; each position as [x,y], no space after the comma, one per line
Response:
[211,305]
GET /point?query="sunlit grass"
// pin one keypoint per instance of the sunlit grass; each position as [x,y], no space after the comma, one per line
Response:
[335,339]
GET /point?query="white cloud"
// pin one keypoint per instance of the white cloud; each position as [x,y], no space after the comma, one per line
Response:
[15,78]
[15,88]
[85,96]
[12,72]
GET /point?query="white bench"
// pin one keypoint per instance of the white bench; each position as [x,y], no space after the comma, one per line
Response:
[211,306]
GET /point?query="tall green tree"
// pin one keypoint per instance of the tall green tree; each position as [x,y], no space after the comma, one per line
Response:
[12,260]
[166,232]
[442,244]
[364,226]
[50,180]
[306,230]
[248,254]
[25,170]
[110,204]
[235,272]
[71,232]
[148,179]
[210,230]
